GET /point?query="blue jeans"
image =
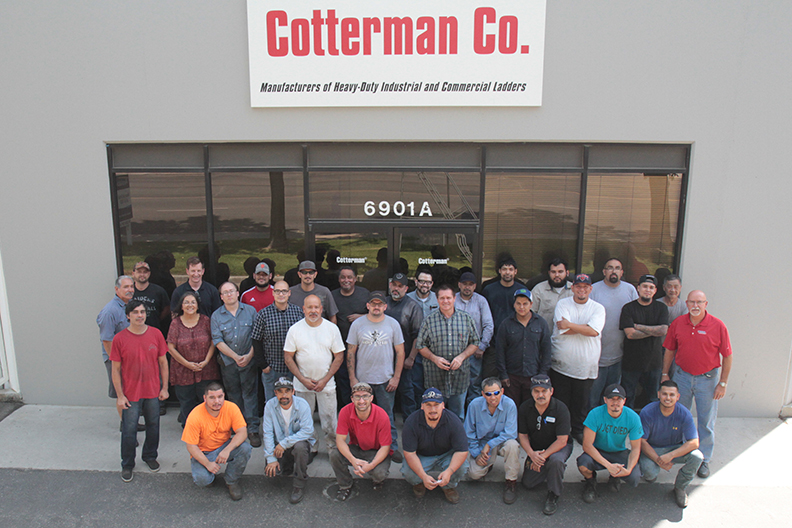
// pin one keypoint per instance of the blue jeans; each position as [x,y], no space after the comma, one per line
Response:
[649,380]
[407,392]
[614,457]
[691,463]
[702,388]
[241,387]
[418,382]
[456,404]
[438,463]
[189,397]
[606,376]
[268,381]
[237,462]
[474,391]
[386,400]
[149,408]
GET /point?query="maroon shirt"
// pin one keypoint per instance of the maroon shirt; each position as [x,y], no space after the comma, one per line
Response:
[193,344]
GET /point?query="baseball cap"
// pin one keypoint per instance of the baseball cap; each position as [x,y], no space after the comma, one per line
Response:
[523,292]
[141,264]
[432,395]
[262,267]
[467,277]
[582,278]
[615,389]
[541,380]
[284,383]
[307,265]
[362,386]
[648,278]
[377,296]
[401,278]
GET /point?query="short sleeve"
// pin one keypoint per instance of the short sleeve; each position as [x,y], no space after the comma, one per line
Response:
[290,345]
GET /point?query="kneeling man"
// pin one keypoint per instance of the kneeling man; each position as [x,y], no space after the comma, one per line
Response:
[207,434]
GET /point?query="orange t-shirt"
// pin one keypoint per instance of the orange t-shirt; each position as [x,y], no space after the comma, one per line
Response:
[209,432]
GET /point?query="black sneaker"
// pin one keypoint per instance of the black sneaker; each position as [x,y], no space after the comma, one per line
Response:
[680,497]
[296,495]
[397,456]
[590,490]
[163,410]
[153,465]
[703,470]
[254,439]
[551,503]
[126,474]
[614,483]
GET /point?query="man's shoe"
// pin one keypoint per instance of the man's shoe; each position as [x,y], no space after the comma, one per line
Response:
[590,490]
[703,470]
[296,495]
[163,409]
[397,456]
[377,486]
[551,503]
[126,474]
[235,490]
[419,490]
[681,498]
[254,439]
[614,484]
[451,495]
[510,492]
[153,465]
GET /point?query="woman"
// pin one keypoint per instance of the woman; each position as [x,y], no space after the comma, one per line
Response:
[190,345]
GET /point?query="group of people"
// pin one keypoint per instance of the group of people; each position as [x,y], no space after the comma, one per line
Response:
[477,375]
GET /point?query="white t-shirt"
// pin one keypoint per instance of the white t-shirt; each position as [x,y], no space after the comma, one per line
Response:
[314,348]
[286,413]
[575,355]
[613,299]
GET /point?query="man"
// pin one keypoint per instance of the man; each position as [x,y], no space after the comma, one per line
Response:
[207,433]
[613,294]
[208,294]
[111,320]
[645,323]
[260,296]
[547,293]
[608,427]
[313,351]
[362,441]
[578,322]
[467,300]
[446,341]
[376,279]
[434,440]
[491,429]
[500,297]
[669,438]
[423,294]
[410,317]
[351,302]
[375,355]
[269,335]
[288,436]
[523,348]
[232,327]
[140,378]
[307,286]
[544,427]
[153,297]
[672,286]
[698,344]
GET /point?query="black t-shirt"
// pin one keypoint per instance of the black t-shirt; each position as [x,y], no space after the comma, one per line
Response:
[645,354]
[354,304]
[155,298]
[501,301]
[449,435]
[542,430]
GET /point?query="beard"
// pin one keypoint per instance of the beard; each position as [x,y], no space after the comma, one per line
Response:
[557,284]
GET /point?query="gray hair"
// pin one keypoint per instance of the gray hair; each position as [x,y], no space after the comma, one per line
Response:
[491,381]
[670,277]
[122,277]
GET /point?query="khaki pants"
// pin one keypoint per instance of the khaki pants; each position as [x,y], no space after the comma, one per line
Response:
[509,450]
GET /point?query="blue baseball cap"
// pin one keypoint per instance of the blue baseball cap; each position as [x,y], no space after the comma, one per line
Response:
[432,395]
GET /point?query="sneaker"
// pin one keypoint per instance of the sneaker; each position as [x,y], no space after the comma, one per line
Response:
[590,490]
[377,486]
[126,474]
[703,470]
[551,503]
[343,494]
[681,498]
[235,490]
[614,484]
[419,490]
[397,456]
[451,495]
[153,465]
[510,492]
[296,495]
[254,439]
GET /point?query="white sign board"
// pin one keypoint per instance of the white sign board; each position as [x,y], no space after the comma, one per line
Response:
[406,53]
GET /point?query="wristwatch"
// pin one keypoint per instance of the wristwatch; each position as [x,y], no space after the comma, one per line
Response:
[722,384]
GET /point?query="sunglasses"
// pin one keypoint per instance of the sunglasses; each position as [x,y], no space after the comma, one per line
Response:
[494,393]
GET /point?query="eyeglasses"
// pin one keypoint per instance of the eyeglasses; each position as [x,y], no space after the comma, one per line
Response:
[308,272]
[424,281]
[361,397]
[613,268]
[228,292]
[494,393]
[280,292]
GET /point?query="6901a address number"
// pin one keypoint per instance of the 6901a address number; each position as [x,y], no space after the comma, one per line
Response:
[399,208]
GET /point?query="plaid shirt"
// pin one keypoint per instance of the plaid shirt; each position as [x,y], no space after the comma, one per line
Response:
[447,338]
[270,327]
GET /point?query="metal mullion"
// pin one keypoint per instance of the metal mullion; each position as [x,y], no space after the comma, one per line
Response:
[255,169]
[155,170]
[478,256]
[310,246]
[114,207]
[681,213]
[209,214]
[582,209]
[534,170]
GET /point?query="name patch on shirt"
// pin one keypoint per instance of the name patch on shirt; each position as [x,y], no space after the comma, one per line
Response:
[702,332]
[550,419]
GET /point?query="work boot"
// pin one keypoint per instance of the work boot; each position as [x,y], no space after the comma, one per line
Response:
[681,498]
[419,490]
[590,490]
[235,490]
[510,492]
[551,503]
[451,495]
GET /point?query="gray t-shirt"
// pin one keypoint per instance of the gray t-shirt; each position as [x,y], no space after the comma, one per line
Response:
[613,299]
[298,296]
[680,308]
[375,357]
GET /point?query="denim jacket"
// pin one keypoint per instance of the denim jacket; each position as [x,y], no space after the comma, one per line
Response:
[276,432]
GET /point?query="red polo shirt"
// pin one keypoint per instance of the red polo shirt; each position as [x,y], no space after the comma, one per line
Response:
[370,434]
[258,299]
[698,348]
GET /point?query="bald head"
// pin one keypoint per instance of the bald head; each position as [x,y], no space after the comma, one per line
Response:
[697,305]
[312,308]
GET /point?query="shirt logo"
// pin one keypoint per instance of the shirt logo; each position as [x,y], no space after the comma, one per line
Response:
[375,338]
[702,332]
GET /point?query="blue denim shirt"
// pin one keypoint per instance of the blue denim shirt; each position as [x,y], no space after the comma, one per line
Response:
[481,427]
[276,432]
[111,320]
[234,331]
[479,310]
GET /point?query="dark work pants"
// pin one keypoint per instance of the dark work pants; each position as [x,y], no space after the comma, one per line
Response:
[552,471]
[575,394]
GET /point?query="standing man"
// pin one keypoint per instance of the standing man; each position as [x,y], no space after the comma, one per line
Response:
[362,441]
[523,348]
[351,302]
[154,297]
[608,427]
[208,294]
[410,316]
[207,433]
[260,296]
[375,356]
[232,327]
[613,294]
[544,427]
[307,286]
[467,300]
[313,352]
[672,286]
[500,296]
[111,320]
[578,322]
[697,344]
[288,436]
[269,334]
[434,440]
[547,293]
[423,294]
[140,378]
[645,323]
[669,438]
[491,429]
[446,341]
